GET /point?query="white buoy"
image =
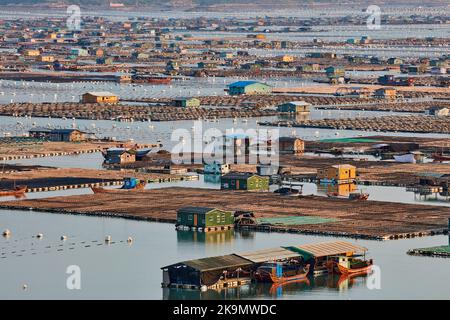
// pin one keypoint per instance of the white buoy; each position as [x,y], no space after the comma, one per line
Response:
[39,236]
[6,233]
[108,239]
[25,287]
[130,240]
[64,238]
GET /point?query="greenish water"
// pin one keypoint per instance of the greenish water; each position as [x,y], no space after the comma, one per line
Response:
[123,271]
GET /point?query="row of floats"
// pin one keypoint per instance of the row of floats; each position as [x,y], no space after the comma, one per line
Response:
[277,265]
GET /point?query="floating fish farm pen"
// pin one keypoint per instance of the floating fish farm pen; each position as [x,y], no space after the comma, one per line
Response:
[439,251]
[235,270]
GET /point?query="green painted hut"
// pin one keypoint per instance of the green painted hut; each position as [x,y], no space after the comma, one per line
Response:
[244,181]
[202,217]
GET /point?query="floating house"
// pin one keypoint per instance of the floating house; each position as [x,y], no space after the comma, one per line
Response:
[204,219]
[45,58]
[79,52]
[248,87]
[58,135]
[31,53]
[385,93]
[395,61]
[344,173]
[335,72]
[286,58]
[290,145]
[216,168]
[99,97]
[186,102]
[237,269]
[119,156]
[267,170]
[244,181]
[434,179]
[438,111]
[206,272]
[294,107]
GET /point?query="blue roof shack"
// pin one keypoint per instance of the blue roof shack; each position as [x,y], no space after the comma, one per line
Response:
[248,87]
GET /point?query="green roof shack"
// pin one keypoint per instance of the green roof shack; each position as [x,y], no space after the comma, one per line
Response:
[209,219]
[244,181]
[248,87]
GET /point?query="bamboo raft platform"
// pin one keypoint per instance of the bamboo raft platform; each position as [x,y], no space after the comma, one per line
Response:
[369,220]
[120,111]
[442,251]
[411,124]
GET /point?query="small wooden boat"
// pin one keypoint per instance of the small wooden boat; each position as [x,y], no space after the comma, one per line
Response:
[440,157]
[352,196]
[351,265]
[358,196]
[281,272]
[130,185]
[17,191]
[333,195]
[276,287]
[152,79]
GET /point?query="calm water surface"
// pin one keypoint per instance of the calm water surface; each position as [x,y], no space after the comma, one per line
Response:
[122,271]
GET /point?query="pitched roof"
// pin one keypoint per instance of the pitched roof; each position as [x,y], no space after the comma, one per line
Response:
[195,210]
[267,255]
[324,249]
[243,83]
[299,103]
[215,263]
[102,94]
[343,166]
[239,175]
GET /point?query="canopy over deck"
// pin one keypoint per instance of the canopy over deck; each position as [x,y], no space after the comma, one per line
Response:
[325,249]
[267,255]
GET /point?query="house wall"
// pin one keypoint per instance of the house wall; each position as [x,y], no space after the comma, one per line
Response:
[258,184]
[217,218]
[336,174]
[88,98]
[297,146]
[214,218]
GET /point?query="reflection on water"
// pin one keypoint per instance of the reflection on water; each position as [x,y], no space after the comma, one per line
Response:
[205,237]
[342,190]
[329,283]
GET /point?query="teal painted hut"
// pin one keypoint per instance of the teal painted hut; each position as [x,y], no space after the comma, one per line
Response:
[248,87]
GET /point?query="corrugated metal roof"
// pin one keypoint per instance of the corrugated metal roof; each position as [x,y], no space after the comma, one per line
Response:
[195,210]
[269,255]
[343,166]
[238,175]
[242,83]
[299,103]
[217,263]
[331,248]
